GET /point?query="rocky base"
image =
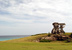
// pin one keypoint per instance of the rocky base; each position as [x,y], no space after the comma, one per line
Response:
[55,37]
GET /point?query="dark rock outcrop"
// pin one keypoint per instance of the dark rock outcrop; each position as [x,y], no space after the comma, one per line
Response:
[54,37]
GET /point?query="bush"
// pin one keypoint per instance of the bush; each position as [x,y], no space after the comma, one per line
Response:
[49,34]
[68,40]
[71,35]
[44,40]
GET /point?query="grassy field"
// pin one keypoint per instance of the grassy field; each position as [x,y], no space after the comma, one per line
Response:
[35,46]
[28,43]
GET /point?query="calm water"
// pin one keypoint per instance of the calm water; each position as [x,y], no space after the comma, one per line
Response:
[3,38]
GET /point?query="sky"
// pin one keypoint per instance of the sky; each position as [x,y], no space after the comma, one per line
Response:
[28,17]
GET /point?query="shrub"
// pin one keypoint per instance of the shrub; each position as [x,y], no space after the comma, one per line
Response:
[68,40]
[45,40]
[49,34]
[71,35]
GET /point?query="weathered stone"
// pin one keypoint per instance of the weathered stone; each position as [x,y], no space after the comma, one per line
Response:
[44,37]
[58,28]
[55,37]
[49,38]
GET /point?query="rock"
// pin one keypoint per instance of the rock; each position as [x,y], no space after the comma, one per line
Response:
[61,37]
[49,38]
[54,37]
[64,37]
[42,38]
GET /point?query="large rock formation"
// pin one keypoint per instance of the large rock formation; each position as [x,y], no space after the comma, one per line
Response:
[54,37]
[58,28]
[57,33]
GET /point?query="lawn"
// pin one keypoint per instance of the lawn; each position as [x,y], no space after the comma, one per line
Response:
[35,46]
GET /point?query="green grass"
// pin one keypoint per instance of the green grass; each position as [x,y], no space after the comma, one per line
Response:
[67,33]
[35,46]
[28,43]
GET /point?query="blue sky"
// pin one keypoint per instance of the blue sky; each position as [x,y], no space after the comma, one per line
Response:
[26,17]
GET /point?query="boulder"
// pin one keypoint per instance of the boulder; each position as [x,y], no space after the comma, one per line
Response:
[54,37]
[49,38]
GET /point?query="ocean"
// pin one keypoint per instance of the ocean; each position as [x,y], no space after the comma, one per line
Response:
[10,37]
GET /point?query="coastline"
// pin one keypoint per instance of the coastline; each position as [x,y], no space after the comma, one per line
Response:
[11,37]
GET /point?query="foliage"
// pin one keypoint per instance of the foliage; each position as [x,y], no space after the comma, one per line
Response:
[68,40]
[49,34]
[71,35]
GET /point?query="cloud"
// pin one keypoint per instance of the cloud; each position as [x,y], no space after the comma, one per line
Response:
[33,14]
[38,7]
[10,19]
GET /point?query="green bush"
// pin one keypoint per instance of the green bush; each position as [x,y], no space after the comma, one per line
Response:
[68,40]
[49,34]
[71,35]
[44,40]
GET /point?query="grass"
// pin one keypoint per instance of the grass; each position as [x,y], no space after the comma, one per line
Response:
[28,43]
[35,46]
[27,39]
[30,38]
[67,33]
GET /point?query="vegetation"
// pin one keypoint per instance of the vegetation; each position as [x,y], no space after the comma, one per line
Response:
[68,40]
[49,34]
[71,35]
[40,34]
[28,39]
[35,46]
[31,38]
[28,43]
[67,33]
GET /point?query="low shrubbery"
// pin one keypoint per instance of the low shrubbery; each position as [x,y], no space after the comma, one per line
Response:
[71,35]
[49,34]
[68,40]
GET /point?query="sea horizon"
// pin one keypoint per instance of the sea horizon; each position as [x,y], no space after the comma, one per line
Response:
[10,37]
